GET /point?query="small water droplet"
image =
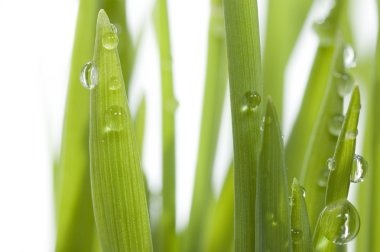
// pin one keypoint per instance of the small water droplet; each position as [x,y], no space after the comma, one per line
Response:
[323,178]
[251,101]
[345,83]
[114,84]
[351,135]
[340,222]
[303,191]
[291,201]
[296,235]
[271,219]
[89,75]
[359,169]
[335,124]
[349,57]
[114,29]
[115,118]
[331,164]
[110,40]
[325,31]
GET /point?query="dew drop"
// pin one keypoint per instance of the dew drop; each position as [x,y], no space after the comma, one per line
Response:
[323,178]
[115,118]
[349,57]
[331,164]
[335,124]
[325,31]
[303,191]
[359,169]
[340,222]
[296,235]
[251,101]
[345,83]
[110,40]
[291,201]
[351,135]
[114,29]
[114,84]
[89,75]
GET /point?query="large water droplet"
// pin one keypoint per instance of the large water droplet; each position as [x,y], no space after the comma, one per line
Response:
[359,169]
[335,124]
[89,75]
[115,118]
[251,101]
[349,57]
[323,178]
[331,164]
[110,40]
[340,222]
[325,31]
[296,235]
[345,83]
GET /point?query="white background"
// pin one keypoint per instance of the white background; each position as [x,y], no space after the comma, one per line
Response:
[35,50]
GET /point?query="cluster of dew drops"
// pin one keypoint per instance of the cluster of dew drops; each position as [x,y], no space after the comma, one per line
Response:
[115,115]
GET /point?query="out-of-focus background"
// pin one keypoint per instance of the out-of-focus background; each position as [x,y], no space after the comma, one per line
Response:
[35,50]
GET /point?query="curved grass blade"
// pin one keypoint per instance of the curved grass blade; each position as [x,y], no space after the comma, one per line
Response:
[339,181]
[118,192]
[219,233]
[272,205]
[315,91]
[301,234]
[213,99]
[284,22]
[169,105]
[246,89]
[75,221]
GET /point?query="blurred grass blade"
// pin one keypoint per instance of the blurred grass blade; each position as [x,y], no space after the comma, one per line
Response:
[284,22]
[139,123]
[116,10]
[301,235]
[315,91]
[272,199]
[169,106]
[213,99]
[323,138]
[118,191]
[339,221]
[369,201]
[75,221]
[219,233]
[246,89]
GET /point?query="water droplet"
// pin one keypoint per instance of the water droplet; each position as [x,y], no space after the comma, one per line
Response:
[345,83]
[89,75]
[271,219]
[351,135]
[296,235]
[359,169]
[114,29]
[325,31]
[340,222]
[291,201]
[349,57]
[110,40]
[323,178]
[331,164]
[251,101]
[335,124]
[115,118]
[114,84]
[303,191]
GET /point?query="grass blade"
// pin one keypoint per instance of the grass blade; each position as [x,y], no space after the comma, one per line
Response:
[338,222]
[140,124]
[315,91]
[213,99]
[272,205]
[244,66]
[284,22]
[301,234]
[120,206]
[169,105]
[75,221]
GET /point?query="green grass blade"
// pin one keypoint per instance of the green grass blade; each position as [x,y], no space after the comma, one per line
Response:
[140,124]
[301,234]
[75,221]
[313,97]
[213,99]
[246,89]
[120,206]
[116,10]
[331,225]
[169,105]
[272,199]
[284,22]
[219,233]
[323,140]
